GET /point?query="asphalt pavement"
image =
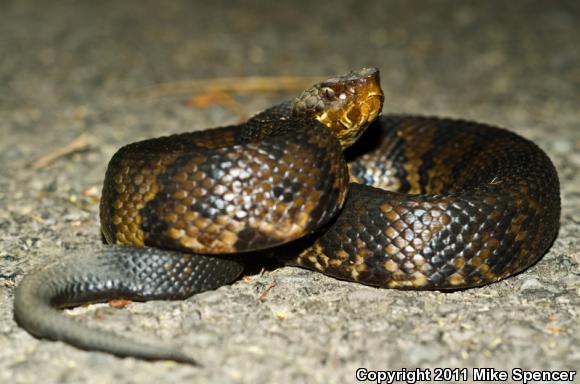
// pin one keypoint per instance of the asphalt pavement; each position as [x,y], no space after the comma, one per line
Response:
[73,75]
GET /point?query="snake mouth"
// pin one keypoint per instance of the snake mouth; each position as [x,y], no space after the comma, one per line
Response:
[357,117]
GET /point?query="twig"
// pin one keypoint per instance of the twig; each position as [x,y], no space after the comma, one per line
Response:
[119,303]
[252,84]
[224,99]
[264,293]
[81,142]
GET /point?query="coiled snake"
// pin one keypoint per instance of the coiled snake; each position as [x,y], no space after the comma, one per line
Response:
[428,203]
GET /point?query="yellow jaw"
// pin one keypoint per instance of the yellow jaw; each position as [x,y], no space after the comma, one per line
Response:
[346,104]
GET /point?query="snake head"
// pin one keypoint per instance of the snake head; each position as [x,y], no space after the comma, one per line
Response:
[346,104]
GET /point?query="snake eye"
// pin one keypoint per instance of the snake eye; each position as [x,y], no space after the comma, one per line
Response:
[328,92]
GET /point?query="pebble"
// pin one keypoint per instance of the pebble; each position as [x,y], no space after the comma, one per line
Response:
[424,354]
[562,146]
[520,331]
[531,284]
[575,159]
[210,297]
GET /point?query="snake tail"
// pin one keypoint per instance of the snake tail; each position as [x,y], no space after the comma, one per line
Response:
[134,273]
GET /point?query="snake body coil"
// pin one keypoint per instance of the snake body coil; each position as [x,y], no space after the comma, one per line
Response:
[433,204]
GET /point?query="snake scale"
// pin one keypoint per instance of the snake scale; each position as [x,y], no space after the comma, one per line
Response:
[416,203]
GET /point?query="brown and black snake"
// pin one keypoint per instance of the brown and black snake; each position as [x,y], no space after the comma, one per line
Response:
[416,203]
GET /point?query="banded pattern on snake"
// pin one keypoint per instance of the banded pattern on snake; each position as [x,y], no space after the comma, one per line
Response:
[417,203]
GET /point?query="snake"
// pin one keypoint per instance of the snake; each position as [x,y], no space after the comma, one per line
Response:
[322,181]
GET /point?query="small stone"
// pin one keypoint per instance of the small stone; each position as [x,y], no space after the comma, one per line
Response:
[424,354]
[575,258]
[562,146]
[575,159]
[210,297]
[531,284]
[520,331]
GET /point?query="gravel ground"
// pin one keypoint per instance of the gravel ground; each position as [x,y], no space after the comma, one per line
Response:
[66,70]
